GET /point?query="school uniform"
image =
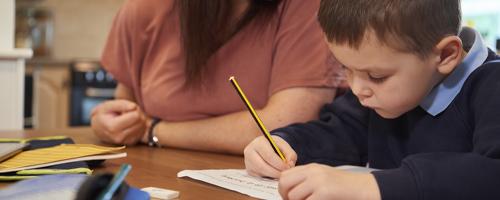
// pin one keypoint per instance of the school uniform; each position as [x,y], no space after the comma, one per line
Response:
[446,148]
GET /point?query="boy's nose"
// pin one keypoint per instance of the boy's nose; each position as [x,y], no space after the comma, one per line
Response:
[363,94]
[359,89]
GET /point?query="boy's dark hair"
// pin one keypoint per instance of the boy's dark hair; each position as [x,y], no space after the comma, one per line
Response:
[407,25]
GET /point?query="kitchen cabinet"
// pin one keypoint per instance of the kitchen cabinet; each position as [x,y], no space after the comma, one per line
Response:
[51,87]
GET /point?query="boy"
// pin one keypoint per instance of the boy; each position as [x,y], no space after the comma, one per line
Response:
[424,107]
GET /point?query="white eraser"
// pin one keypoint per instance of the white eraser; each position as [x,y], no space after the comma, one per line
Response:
[160,193]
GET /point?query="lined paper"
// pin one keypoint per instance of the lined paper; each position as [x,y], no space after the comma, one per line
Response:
[237,180]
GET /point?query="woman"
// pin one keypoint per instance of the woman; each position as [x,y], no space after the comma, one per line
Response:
[172,60]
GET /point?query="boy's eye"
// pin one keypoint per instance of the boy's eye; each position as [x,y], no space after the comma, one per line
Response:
[377,78]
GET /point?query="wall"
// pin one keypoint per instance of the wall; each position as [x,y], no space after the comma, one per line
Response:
[6,24]
[80,26]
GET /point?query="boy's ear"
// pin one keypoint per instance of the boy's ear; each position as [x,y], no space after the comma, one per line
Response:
[450,53]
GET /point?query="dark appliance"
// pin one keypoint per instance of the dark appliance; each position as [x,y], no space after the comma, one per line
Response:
[90,86]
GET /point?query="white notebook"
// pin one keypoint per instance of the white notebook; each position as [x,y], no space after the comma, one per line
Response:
[8,150]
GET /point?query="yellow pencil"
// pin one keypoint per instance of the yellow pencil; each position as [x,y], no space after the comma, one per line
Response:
[256,117]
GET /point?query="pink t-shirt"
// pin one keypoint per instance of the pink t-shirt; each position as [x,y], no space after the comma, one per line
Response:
[143,52]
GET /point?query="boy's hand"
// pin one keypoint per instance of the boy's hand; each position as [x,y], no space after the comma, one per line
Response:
[119,122]
[261,160]
[315,181]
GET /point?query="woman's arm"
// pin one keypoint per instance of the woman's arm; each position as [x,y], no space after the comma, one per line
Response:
[122,92]
[232,132]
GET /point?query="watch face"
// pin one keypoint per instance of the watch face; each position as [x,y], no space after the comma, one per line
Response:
[153,142]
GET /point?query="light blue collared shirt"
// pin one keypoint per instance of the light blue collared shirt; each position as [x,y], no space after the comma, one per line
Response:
[443,94]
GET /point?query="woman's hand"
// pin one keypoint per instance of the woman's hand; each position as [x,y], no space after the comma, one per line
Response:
[119,122]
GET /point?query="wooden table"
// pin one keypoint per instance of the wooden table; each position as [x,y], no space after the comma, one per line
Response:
[155,167]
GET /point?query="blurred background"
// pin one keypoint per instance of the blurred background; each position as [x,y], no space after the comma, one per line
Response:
[484,16]
[64,79]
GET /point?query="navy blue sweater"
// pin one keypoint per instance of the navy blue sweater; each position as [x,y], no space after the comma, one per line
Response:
[454,155]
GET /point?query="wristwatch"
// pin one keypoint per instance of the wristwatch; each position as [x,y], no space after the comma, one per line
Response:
[152,139]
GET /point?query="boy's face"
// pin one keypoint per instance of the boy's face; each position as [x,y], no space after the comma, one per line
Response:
[384,79]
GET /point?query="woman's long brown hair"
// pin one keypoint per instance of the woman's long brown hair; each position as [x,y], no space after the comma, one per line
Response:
[207,24]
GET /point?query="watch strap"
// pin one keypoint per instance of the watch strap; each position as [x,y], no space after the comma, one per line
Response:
[152,139]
